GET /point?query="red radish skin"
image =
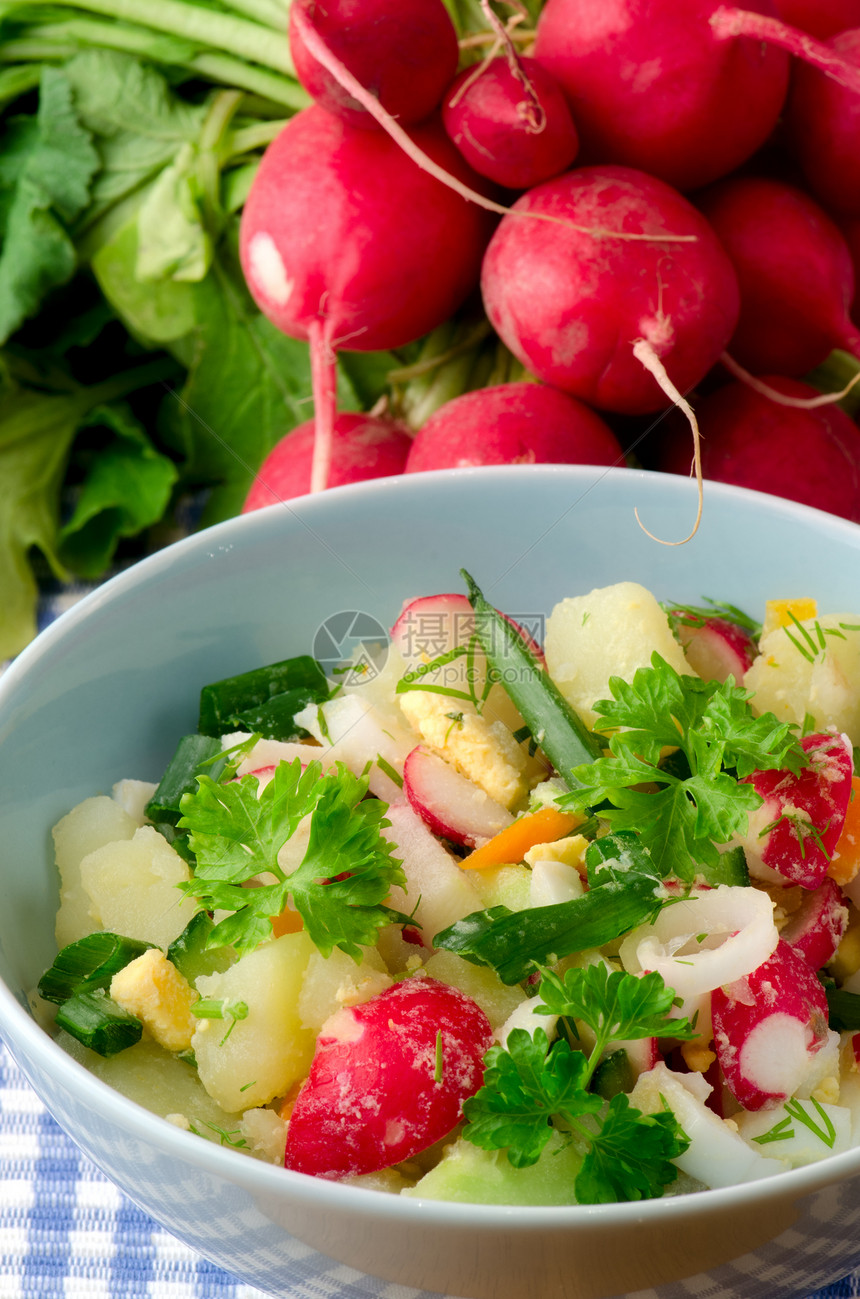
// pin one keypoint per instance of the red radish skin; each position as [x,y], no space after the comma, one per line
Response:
[346,242]
[685,91]
[810,456]
[650,85]
[816,929]
[515,136]
[820,18]
[768,1027]
[794,270]
[450,804]
[570,305]
[717,649]
[388,1079]
[823,131]
[431,625]
[404,52]
[796,829]
[513,424]
[365,446]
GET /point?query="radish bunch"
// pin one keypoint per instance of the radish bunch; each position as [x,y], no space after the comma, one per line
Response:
[651,202]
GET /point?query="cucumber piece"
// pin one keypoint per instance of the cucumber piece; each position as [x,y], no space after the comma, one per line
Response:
[613,1075]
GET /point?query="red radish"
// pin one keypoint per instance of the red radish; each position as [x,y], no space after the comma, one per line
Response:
[768,1028]
[796,829]
[388,1079]
[823,128]
[685,91]
[513,424]
[346,242]
[571,304]
[404,51]
[716,648]
[438,893]
[431,625]
[821,18]
[817,927]
[794,270]
[365,446]
[450,804]
[810,456]
[514,128]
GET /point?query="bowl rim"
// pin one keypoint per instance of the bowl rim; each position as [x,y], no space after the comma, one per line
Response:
[23,1033]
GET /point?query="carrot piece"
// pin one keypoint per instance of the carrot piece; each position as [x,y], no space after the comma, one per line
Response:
[512,843]
[288,922]
[846,855]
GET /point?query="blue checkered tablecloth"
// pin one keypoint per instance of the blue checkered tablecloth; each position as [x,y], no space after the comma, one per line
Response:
[66,1232]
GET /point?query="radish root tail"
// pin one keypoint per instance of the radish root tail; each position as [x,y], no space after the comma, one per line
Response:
[318,49]
[646,356]
[324,384]
[782,398]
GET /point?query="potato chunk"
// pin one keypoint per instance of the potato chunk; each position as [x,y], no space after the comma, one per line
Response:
[132,888]
[89,826]
[247,1062]
[795,675]
[610,632]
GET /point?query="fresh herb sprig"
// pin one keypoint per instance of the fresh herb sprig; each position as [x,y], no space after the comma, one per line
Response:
[532,1088]
[338,888]
[694,615]
[680,820]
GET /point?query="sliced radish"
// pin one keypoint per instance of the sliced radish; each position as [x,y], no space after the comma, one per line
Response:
[451,805]
[353,731]
[815,930]
[768,1029]
[717,649]
[793,834]
[437,892]
[434,624]
[388,1079]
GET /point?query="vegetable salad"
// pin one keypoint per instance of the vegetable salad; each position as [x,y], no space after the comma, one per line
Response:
[480,919]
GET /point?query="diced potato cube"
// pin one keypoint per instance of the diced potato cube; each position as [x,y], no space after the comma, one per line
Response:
[132,888]
[482,984]
[811,671]
[244,1063]
[610,632]
[89,826]
[265,1133]
[335,981]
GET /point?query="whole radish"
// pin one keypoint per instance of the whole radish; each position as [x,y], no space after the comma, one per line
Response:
[513,423]
[571,303]
[686,91]
[404,52]
[513,126]
[346,242]
[821,18]
[364,446]
[810,456]
[794,270]
[823,130]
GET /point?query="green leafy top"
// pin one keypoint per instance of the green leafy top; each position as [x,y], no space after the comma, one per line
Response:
[694,615]
[345,874]
[681,821]
[531,1087]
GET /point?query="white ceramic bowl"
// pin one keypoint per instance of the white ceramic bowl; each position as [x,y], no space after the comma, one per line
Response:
[106,691]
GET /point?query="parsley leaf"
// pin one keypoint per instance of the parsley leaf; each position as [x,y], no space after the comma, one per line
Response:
[681,820]
[338,889]
[614,1004]
[530,1088]
[630,1157]
[524,1086]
